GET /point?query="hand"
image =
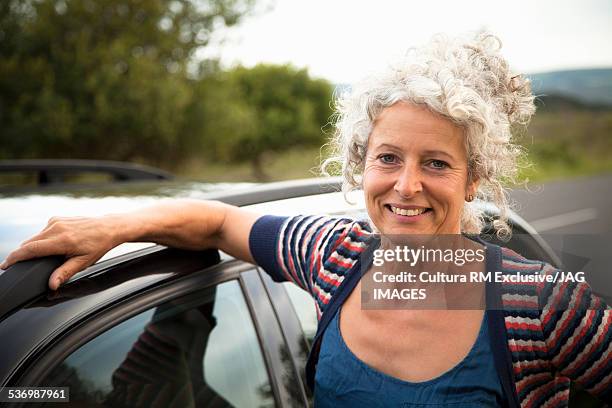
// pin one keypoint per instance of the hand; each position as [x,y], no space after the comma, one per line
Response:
[82,240]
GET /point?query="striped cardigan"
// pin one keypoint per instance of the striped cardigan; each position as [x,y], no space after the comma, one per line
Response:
[545,335]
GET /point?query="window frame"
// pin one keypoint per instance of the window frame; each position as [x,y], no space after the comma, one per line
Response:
[271,327]
[291,326]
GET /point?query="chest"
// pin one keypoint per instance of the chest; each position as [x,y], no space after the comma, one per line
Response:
[412,345]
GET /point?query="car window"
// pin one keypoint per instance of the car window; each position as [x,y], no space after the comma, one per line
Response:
[198,351]
[304,307]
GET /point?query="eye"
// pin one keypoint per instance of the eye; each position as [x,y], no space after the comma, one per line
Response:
[387,158]
[438,164]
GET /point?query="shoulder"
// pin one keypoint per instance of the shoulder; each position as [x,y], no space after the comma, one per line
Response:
[524,282]
[299,245]
[525,274]
[512,262]
[321,231]
[344,245]
[547,287]
[314,227]
[538,274]
[332,244]
[325,248]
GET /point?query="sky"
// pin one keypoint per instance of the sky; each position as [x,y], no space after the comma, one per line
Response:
[343,40]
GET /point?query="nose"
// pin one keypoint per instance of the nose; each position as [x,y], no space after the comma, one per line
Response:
[408,182]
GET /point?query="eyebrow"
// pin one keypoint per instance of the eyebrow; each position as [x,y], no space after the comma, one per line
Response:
[386,146]
[439,152]
[432,152]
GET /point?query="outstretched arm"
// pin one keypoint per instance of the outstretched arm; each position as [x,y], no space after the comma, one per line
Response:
[187,224]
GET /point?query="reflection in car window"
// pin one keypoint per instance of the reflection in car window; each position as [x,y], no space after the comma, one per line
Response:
[197,351]
[305,309]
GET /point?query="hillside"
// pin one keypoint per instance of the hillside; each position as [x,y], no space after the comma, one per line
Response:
[589,86]
[581,88]
[551,102]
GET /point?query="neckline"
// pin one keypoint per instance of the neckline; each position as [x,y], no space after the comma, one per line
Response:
[479,338]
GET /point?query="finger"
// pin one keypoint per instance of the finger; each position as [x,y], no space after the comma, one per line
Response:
[55,219]
[38,237]
[65,271]
[54,227]
[35,249]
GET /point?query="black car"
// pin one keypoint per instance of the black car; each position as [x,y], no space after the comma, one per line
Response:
[157,326]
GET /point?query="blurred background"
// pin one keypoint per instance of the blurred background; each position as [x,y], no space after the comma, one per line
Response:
[241,90]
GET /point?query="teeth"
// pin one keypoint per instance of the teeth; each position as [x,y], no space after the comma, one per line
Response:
[409,213]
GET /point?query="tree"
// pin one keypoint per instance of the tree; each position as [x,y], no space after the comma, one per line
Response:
[285,108]
[103,78]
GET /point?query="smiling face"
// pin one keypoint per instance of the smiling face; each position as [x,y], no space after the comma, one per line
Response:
[415,177]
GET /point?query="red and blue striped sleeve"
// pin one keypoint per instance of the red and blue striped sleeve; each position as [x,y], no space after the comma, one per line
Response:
[577,327]
[299,249]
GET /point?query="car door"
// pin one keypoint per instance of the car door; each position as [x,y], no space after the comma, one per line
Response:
[205,338]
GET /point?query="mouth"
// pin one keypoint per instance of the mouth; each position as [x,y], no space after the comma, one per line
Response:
[407,212]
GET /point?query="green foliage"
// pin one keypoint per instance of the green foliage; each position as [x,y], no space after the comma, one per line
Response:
[568,141]
[278,107]
[116,79]
[103,79]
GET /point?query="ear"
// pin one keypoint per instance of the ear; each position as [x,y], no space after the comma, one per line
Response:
[471,188]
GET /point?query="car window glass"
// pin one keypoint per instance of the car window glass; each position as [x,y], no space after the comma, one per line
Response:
[304,307]
[197,351]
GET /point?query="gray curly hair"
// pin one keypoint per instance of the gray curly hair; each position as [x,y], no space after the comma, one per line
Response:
[464,79]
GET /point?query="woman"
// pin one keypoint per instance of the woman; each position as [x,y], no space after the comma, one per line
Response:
[423,140]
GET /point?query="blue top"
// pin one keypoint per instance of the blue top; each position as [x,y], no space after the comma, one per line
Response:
[343,380]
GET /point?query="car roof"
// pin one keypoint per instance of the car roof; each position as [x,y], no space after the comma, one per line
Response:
[27,214]
[23,215]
